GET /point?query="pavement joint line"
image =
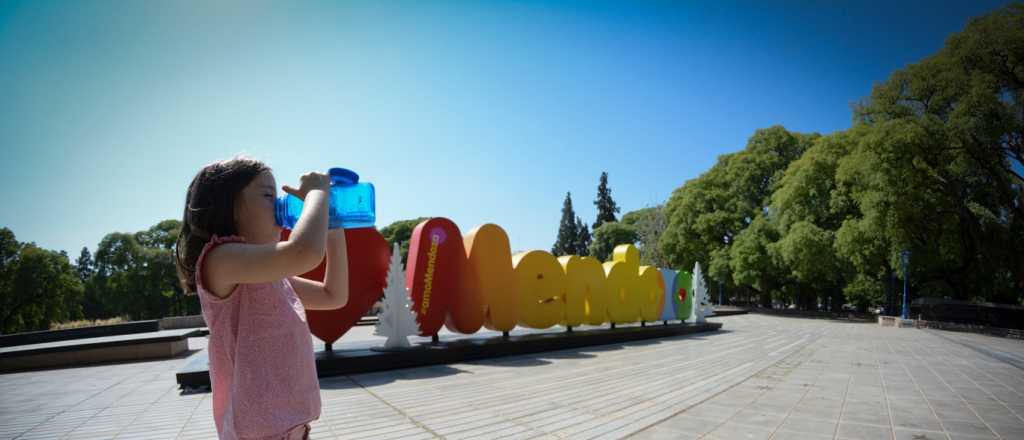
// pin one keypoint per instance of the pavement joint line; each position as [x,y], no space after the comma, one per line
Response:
[993,396]
[191,414]
[964,401]
[571,404]
[995,379]
[714,395]
[734,369]
[58,413]
[611,398]
[1009,360]
[807,390]
[885,392]
[923,396]
[842,409]
[394,408]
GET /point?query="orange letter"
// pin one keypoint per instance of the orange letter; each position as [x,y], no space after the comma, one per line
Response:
[490,260]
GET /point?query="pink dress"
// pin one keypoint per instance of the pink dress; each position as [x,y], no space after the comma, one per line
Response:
[261,358]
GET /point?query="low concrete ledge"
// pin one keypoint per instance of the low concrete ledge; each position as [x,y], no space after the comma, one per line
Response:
[76,352]
[895,321]
[45,336]
[176,322]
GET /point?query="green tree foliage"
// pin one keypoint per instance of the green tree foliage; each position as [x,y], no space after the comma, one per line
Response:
[931,165]
[606,207]
[752,260]
[609,235]
[401,232]
[944,136]
[162,235]
[37,286]
[650,224]
[568,234]
[582,242]
[83,265]
[705,215]
[135,276]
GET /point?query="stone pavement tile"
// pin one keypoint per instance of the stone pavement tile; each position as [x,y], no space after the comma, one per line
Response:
[1018,409]
[994,418]
[856,431]
[864,418]
[948,415]
[1008,430]
[871,394]
[485,431]
[732,431]
[822,402]
[689,424]
[735,397]
[790,435]
[408,431]
[808,426]
[971,437]
[817,412]
[782,396]
[966,428]
[952,410]
[662,433]
[975,395]
[920,420]
[764,420]
[768,406]
[710,411]
[919,434]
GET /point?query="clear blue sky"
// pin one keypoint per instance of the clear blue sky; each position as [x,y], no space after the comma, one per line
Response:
[476,111]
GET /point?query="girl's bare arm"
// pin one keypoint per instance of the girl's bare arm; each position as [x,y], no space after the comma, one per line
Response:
[332,293]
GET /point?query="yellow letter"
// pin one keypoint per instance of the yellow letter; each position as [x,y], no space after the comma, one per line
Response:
[540,284]
[622,278]
[586,298]
[653,293]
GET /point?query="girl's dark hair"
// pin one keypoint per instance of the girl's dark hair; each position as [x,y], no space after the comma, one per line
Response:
[210,210]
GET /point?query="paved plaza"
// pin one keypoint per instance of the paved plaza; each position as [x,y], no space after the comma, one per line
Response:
[760,377]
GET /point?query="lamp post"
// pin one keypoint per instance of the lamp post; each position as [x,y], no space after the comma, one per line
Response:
[904,262]
[719,293]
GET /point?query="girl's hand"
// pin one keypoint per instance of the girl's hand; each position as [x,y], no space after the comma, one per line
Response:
[308,182]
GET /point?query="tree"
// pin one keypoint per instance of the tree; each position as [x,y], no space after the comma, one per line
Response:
[135,276]
[400,232]
[161,235]
[37,286]
[9,251]
[706,214]
[753,261]
[582,243]
[650,224]
[948,132]
[606,207]
[609,235]
[83,265]
[568,234]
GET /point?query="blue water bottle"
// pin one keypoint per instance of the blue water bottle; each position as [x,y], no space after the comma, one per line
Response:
[351,203]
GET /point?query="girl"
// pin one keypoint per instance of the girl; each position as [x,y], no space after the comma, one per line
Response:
[262,368]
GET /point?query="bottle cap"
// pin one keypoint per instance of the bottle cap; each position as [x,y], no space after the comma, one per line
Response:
[343,176]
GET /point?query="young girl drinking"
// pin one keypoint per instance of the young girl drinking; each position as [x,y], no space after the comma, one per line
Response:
[262,368]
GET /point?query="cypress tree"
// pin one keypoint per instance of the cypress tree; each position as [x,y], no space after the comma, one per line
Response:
[582,238]
[565,244]
[606,207]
